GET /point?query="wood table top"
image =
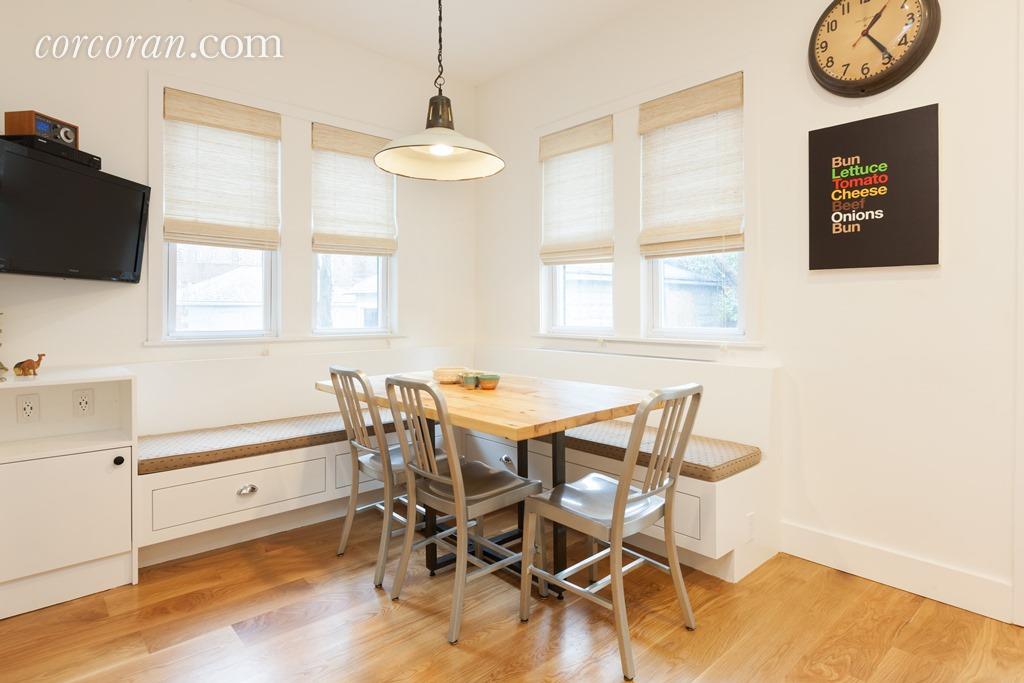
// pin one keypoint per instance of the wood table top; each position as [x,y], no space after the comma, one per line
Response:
[523,407]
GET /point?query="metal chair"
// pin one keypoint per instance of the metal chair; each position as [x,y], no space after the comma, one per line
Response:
[467,490]
[360,415]
[607,511]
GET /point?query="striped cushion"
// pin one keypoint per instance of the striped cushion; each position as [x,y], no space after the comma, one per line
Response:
[165,452]
[706,459]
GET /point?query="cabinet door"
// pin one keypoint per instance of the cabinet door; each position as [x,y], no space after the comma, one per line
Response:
[56,512]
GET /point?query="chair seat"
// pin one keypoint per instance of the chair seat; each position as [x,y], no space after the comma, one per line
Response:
[481,481]
[592,500]
[371,464]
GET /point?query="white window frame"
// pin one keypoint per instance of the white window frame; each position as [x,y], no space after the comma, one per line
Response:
[385,288]
[652,309]
[551,288]
[292,313]
[270,301]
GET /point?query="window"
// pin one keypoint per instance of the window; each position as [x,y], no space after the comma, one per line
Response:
[693,208]
[350,293]
[354,232]
[581,296]
[221,215]
[219,291]
[697,292]
[577,245]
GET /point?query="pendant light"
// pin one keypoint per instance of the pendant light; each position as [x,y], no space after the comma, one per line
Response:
[439,153]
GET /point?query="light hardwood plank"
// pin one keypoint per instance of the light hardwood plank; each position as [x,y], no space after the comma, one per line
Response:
[285,608]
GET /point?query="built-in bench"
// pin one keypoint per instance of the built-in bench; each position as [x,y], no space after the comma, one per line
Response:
[705,459]
[207,479]
[165,452]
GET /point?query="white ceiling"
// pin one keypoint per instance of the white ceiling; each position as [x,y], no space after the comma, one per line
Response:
[482,38]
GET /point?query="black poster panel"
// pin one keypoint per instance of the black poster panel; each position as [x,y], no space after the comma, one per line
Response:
[874,191]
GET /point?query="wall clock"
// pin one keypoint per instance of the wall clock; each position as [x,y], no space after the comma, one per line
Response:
[862,47]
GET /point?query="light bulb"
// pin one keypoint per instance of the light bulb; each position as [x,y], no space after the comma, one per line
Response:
[441,150]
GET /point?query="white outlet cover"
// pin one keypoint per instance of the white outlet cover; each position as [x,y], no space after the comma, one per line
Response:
[28,408]
[83,402]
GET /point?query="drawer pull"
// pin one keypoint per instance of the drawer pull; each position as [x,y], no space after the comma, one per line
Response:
[248,490]
[119,460]
[507,460]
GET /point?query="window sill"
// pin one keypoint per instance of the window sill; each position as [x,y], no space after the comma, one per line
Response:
[233,341]
[737,343]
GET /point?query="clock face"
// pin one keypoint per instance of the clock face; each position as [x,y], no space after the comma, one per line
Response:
[861,47]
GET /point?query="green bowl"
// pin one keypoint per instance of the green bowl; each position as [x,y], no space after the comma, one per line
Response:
[488,381]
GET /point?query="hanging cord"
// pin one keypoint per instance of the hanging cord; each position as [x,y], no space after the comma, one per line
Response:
[439,81]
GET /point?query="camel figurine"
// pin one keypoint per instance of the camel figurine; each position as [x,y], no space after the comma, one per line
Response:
[29,367]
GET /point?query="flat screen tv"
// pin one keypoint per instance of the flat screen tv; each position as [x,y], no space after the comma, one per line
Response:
[63,219]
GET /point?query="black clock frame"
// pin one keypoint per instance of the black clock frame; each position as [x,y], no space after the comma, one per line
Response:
[931,20]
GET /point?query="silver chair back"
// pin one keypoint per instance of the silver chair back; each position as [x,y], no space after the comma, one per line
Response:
[356,399]
[678,406]
[410,400]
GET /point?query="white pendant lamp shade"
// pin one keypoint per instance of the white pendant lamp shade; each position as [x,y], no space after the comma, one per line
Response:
[439,153]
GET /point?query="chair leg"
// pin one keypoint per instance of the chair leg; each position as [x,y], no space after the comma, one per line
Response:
[353,503]
[619,611]
[592,550]
[459,590]
[385,535]
[410,535]
[478,548]
[542,545]
[672,557]
[526,564]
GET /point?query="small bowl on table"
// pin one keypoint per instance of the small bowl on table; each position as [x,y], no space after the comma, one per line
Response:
[448,375]
[488,380]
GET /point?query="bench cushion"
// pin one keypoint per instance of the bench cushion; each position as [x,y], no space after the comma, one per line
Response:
[165,452]
[706,459]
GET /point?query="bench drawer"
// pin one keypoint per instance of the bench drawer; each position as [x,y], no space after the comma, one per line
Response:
[195,501]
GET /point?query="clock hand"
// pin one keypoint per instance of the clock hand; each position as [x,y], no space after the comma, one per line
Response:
[884,50]
[874,20]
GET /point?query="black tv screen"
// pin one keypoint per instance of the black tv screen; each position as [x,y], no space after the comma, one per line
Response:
[64,219]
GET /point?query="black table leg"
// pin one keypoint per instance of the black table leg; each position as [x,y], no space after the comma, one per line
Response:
[523,470]
[430,518]
[558,535]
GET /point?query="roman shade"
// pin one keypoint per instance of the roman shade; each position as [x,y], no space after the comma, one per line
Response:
[693,170]
[221,172]
[579,137]
[353,200]
[577,215]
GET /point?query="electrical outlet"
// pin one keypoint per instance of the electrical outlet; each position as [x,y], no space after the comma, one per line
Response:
[751,527]
[83,402]
[28,408]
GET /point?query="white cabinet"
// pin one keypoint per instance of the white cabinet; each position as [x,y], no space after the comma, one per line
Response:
[65,489]
[57,512]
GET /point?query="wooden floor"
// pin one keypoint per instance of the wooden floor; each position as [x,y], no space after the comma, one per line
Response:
[284,608]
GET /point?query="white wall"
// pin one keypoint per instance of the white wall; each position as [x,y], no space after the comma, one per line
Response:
[893,405]
[98,323]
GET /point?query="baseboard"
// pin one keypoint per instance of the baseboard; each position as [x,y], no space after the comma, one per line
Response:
[60,585]
[247,531]
[988,595]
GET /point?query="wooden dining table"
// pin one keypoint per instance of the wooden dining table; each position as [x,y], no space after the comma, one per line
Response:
[519,409]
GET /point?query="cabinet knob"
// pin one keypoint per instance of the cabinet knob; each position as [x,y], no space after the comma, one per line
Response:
[119,460]
[248,490]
